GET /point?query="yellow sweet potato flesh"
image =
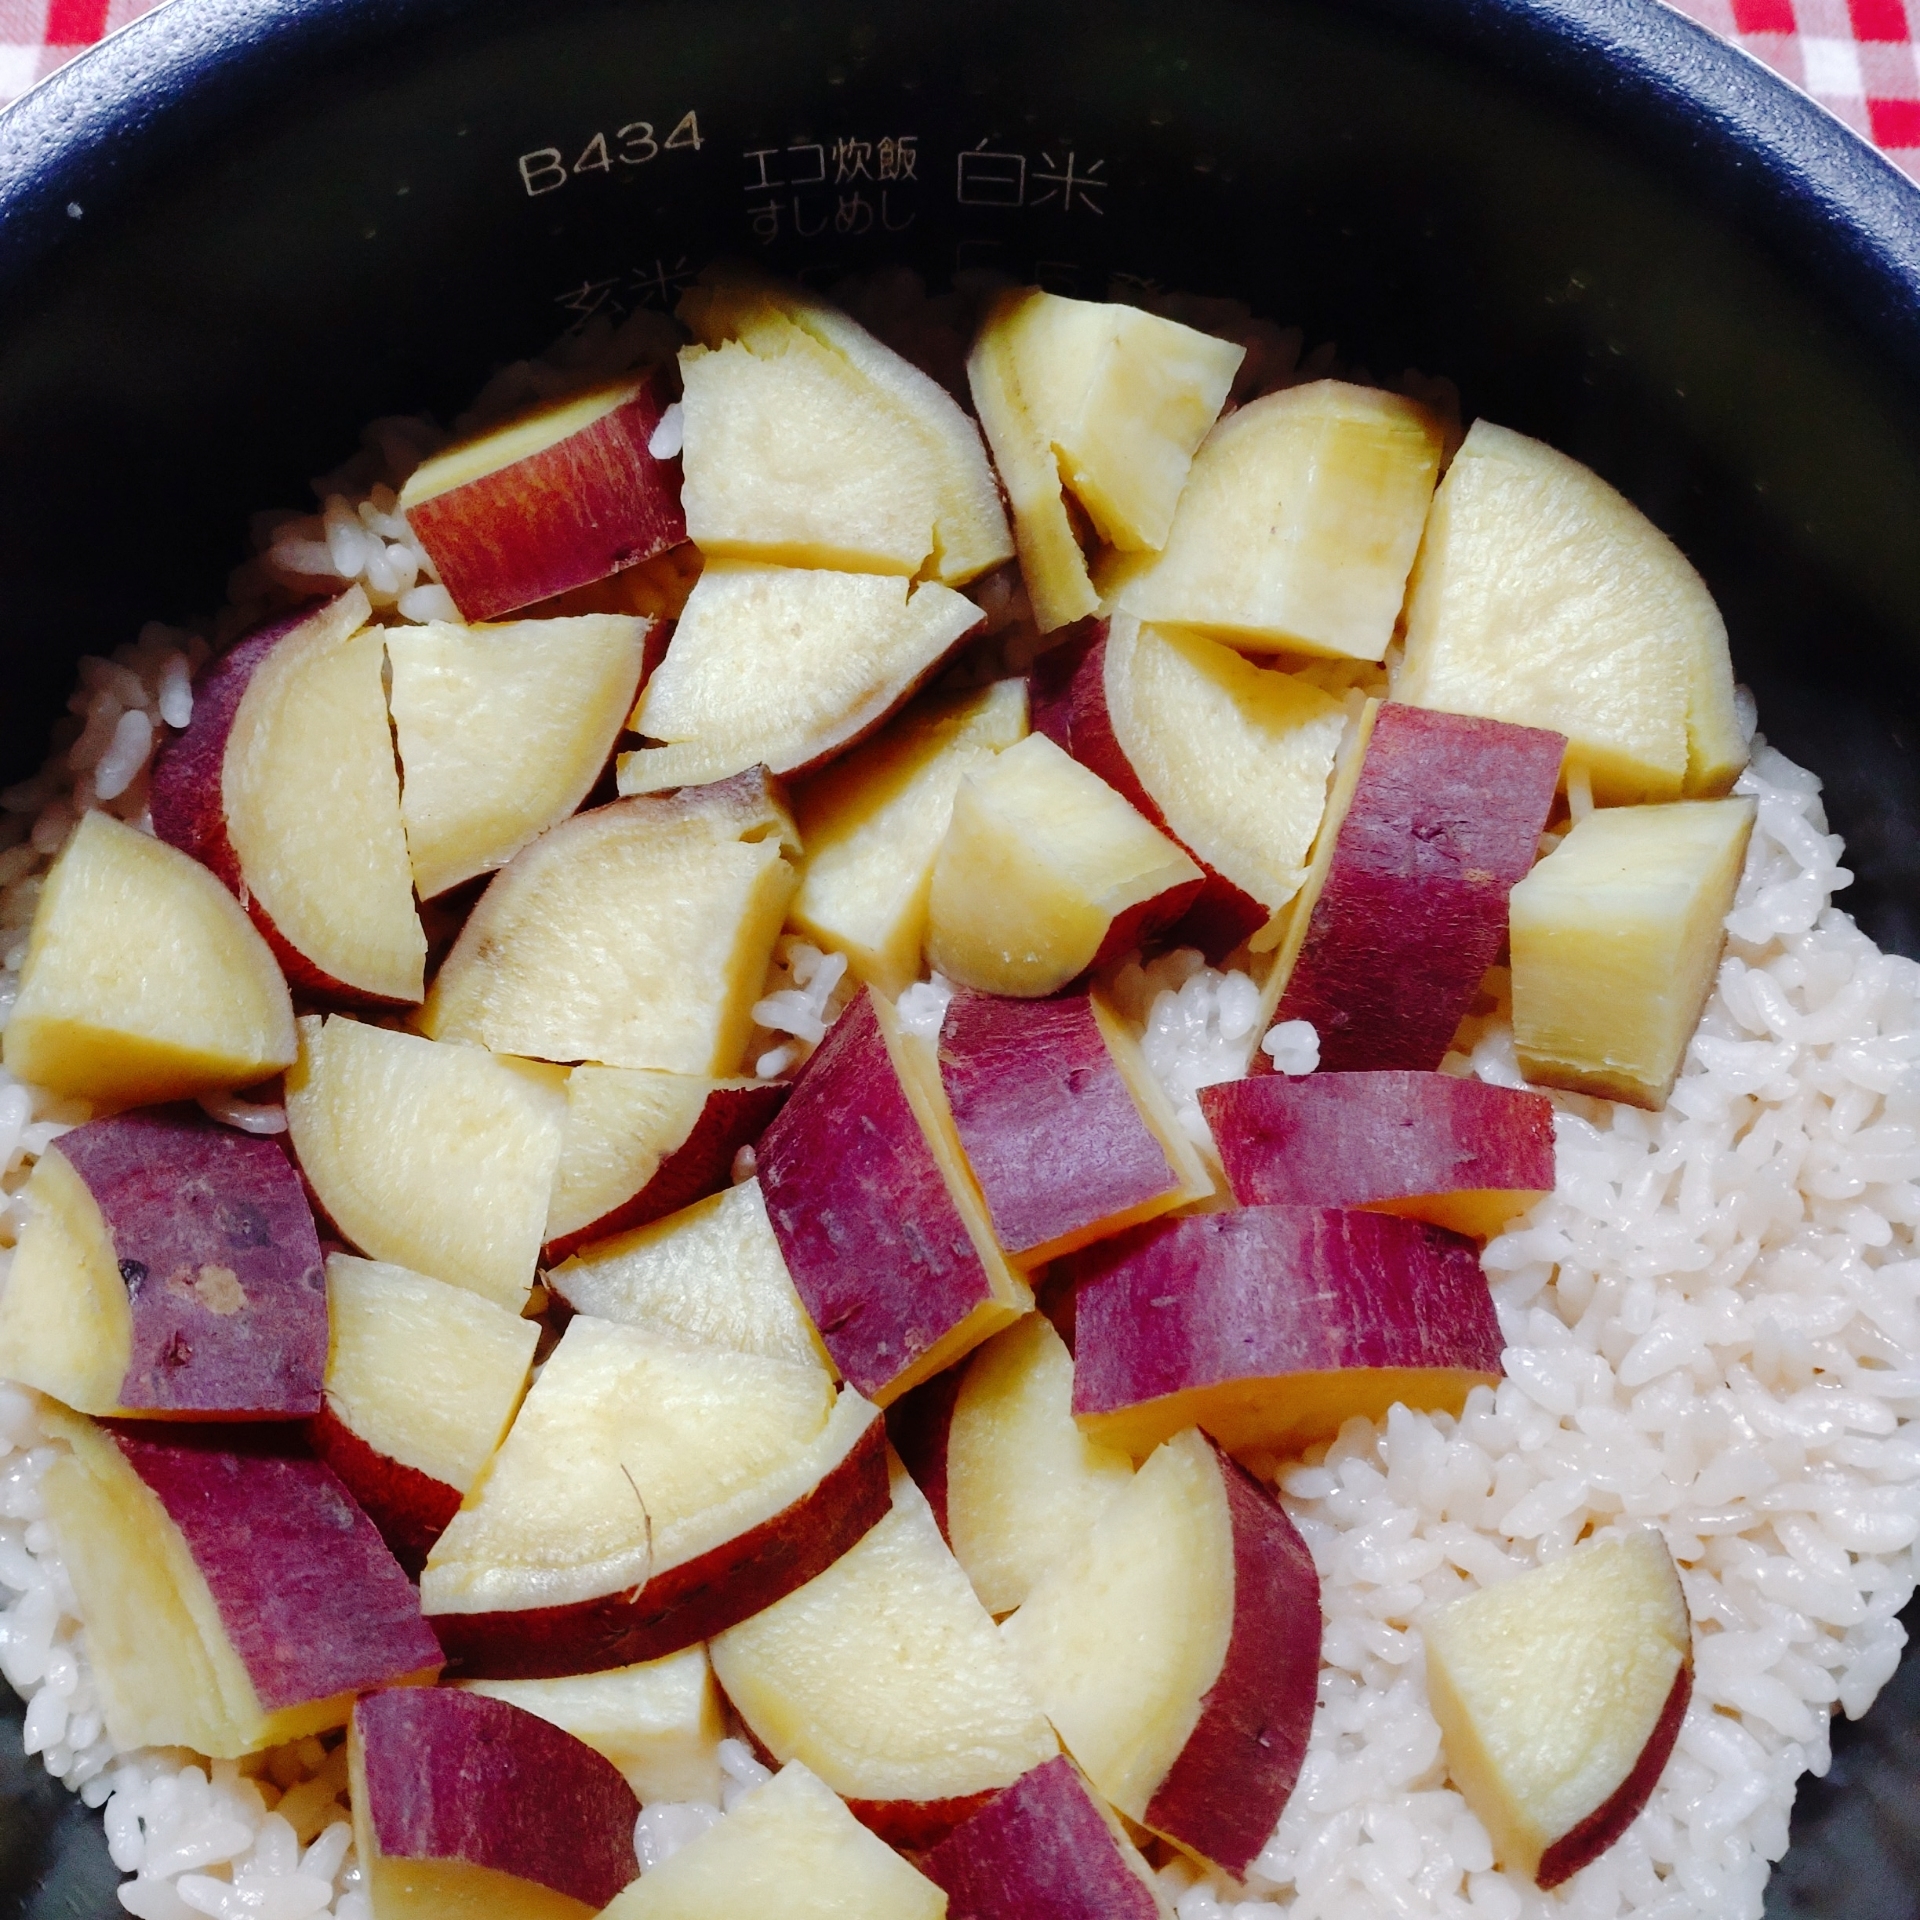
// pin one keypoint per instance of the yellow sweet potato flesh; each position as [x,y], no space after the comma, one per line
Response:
[435,1157]
[789,1847]
[792,457]
[144,979]
[783,667]
[872,826]
[1055,570]
[712,1271]
[502,731]
[633,1452]
[66,1325]
[1040,858]
[634,935]
[1298,525]
[660,1723]
[884,1674]
[1123,1638]
[1024,1485]
[427,1374]
[1124,398]
[1548,1686]
[312,805]
[1544,598]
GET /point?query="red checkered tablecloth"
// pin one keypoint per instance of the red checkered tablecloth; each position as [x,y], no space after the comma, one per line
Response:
[1859,58]
[38,35]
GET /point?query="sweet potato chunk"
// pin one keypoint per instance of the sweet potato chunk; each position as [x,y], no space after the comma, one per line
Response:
[878,1219]
[234,1596]
[1270,1326]
[635,935]
[1459,1152]
[144,979]
[462,1804]
[1616,936]
[168,1267]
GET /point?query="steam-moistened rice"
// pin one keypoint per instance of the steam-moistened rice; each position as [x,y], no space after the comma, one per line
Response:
[1714,1327]
[806,989]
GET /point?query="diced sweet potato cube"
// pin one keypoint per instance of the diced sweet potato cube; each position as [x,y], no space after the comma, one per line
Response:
[916,1737]
[1298,525]
[714,1271]
[1045,872]
[433,1156]
[784,667]
[144,979]
[168,1267]
[872,826]
[234,1596]
[1616,936]
[1407,905]
[640,1145]
[468,1805]
[1062,1151]
[422,1382]
[1544,598]
[635,935]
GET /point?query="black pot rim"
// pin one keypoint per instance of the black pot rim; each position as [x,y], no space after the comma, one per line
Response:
[1779,162]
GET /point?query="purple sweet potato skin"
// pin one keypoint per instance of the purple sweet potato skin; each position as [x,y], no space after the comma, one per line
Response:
[1445,819]
[576,512]
[412,1509]
[1354,1139]
[217,1246]
[460,1776]
[1225,1792]
[310,1598]
[1039,1847]
[1268,1291]
[1051,1131]
[880,1256]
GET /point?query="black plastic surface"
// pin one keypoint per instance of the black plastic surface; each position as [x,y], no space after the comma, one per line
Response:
[243,227]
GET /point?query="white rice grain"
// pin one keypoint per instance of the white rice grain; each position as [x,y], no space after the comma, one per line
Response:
[265,1117]
[176,692]
[357,537]
[669,436]
[923,1007]
[805,992]
[131,745]
[428,602]
[1293,1046]
[665,1827]
[1196,1027]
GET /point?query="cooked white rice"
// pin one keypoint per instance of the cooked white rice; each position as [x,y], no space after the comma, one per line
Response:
[1714,1325]
[1714,1322]
[1713,1328]
[805,991]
